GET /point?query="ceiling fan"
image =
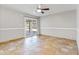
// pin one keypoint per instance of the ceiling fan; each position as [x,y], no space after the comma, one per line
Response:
[41,9]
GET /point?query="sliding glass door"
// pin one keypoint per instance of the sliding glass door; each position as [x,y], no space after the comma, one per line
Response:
[31,27]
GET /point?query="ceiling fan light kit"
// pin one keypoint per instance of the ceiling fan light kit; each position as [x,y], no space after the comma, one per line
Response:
[38,10]
[41,10]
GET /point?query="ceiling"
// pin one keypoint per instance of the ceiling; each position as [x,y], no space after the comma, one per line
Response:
[31,8]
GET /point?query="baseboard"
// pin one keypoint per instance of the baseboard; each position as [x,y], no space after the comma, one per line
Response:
[11,40]
[56,37]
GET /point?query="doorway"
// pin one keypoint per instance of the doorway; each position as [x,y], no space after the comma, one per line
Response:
[31,28]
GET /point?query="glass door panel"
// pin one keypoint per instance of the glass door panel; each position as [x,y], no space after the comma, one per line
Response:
[31,27]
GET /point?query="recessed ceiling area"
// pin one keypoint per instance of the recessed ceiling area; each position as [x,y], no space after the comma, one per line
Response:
[31,8]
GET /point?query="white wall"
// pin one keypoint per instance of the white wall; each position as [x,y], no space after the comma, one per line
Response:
[78,26]
[60,25]
[11,24]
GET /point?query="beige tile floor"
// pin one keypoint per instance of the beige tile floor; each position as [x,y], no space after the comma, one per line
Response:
[39,45]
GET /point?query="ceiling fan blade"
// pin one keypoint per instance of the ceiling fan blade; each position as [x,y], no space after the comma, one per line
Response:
[45,9]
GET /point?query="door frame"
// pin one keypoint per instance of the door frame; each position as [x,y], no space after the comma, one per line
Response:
[37,20]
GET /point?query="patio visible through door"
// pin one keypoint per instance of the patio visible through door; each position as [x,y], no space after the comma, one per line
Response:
[31,27]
